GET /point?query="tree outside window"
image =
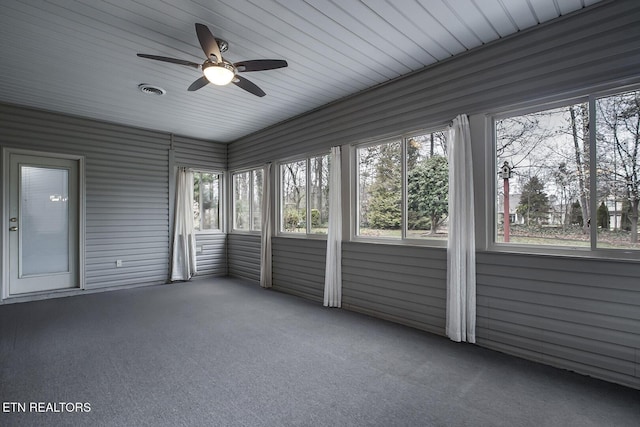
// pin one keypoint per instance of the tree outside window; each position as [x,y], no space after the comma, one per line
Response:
[294,197]
[241,201]
[304,196]
[247,200]
[548,152]
[380,190]
[618,168]
[256,199]
[427,186]
[556,160]
[413,207]
[206,201]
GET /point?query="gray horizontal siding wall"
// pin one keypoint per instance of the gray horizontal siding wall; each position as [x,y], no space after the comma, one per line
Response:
[244,256]
[127,191]
[579,314]
[585,50]
[198,153]
[298,266]
[211,253]
[400,283]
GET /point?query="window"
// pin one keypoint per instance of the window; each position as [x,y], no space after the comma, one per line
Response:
[542,194]
[570,176]
[247,200]
[403,188]
[380,190]
[617,140]
[304,196]
[206,201]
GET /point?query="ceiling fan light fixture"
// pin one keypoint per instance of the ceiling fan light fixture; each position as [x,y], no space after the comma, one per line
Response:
[219,74]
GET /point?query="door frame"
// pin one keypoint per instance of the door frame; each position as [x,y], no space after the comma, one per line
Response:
[4,237]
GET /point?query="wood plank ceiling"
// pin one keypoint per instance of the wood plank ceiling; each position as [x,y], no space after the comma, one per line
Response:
[79,57]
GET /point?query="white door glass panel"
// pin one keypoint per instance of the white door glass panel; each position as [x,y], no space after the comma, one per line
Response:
[44,219]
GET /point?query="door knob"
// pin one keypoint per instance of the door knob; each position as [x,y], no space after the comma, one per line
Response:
[14,228]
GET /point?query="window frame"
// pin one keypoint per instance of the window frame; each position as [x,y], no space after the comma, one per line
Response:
[279,230]
[355,190]
[251,172]
[491,191]
[221,198]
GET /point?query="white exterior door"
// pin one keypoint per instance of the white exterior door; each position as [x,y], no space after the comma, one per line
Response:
[43,223]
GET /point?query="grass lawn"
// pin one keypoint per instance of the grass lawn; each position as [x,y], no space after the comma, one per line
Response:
[570,237]
[397,234]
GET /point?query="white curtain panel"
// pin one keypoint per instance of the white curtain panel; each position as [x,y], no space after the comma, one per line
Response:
[183,263]
[333,270]
[266,231]
[461,258]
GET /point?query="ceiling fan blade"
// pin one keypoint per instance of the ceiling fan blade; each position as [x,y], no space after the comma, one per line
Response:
[248,86]
[208,42]
[260,64]
[201,82]
[172,60]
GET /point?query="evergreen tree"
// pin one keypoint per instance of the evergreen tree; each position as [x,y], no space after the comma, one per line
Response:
[385,210]
[534,202]
[602,217]
[428,189]
[575,216]
[385,206]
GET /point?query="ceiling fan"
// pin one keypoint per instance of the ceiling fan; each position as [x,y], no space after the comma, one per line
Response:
[218,70]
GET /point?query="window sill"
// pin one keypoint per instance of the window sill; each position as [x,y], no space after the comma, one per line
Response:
[246,232]
[207,232]
[400,242]
[302,236]
[620,255]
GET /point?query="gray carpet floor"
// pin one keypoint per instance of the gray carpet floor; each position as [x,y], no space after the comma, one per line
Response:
[222,352]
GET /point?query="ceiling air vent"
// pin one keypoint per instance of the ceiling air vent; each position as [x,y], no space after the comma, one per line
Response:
[151,89]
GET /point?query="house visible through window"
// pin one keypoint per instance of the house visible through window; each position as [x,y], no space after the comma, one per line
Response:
[403,188]
[568,179]
[206,200]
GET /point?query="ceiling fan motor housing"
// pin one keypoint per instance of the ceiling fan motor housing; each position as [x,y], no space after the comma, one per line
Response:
[222,45]
[224,63]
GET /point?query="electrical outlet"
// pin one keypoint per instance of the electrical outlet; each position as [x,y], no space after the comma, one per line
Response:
[118,263]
